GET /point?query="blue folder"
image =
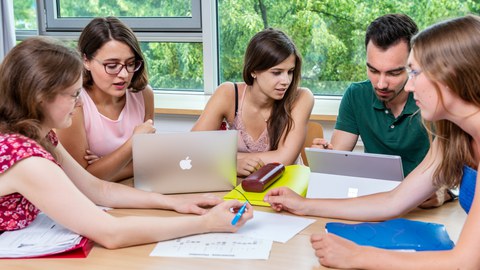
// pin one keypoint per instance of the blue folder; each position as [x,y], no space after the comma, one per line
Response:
[402,234]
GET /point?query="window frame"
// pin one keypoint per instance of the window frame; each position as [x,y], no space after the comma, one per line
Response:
[202,28]
[51,22]
[166,99]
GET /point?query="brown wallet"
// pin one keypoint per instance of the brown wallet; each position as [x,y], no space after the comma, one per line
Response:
[263,178]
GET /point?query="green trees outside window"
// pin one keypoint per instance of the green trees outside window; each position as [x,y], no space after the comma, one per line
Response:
[328,33]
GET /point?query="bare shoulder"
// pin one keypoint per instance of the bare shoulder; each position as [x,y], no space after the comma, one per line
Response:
[305,93]
[148,99]
[226,90]
[147,93]
[305,96]
[225,93]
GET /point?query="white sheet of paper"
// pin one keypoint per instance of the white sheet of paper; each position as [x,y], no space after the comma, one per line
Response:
[215,245]
[275,227]
[42,236]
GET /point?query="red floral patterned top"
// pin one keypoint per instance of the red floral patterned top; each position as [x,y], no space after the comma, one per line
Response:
[16,212]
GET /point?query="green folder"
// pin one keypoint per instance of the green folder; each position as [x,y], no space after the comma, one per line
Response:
[295,177]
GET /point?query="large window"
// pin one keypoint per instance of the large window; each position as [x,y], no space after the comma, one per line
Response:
[329,33]
[142,16]
[179,37]
[170,33]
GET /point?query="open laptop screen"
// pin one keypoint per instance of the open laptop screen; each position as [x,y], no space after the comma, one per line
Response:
[358,164]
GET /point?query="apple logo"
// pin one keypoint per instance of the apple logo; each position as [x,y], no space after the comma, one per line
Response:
[185,164]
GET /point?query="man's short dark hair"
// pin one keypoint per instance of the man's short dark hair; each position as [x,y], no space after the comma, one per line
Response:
[389,30]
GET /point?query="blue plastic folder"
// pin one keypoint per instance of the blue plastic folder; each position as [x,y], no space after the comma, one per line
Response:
[295,177]
[401,234]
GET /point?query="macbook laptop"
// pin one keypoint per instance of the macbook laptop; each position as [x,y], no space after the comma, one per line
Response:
[344,174]
[185,162]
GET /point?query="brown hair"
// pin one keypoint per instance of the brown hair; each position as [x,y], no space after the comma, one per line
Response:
[102,30]
[37,69]
[448,52]
[266,49]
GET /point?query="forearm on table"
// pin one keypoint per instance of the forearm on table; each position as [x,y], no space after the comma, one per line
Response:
[375,207]
[121,196]
[134,230]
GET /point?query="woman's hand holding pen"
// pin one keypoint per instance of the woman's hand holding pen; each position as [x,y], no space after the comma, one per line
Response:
[321,143]
[219,218]
[193,203]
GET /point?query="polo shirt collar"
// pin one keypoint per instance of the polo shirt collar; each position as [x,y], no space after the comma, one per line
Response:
[410,106]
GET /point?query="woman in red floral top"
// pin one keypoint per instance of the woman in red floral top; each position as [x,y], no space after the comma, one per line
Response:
[40,81]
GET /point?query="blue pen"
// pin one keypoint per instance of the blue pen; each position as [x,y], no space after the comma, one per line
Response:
[239,214]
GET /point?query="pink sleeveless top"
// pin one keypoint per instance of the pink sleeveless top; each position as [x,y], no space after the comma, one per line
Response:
[16,212]
[105,135]
[246,144]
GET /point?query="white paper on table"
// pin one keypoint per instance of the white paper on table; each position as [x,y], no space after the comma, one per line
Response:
[42,236]
[215,245]
[275,227]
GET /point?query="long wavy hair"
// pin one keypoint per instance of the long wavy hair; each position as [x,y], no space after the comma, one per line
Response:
[37,69]
[449,53]
[266,49]
[102,30]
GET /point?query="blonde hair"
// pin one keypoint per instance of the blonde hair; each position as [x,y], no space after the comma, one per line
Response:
[449,53]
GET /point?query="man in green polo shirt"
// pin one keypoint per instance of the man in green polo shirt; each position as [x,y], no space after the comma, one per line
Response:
[379,110]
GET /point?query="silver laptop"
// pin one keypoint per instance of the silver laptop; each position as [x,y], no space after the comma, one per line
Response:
[344,174]
[186,162]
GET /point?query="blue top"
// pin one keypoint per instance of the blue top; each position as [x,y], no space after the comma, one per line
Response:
[467,188]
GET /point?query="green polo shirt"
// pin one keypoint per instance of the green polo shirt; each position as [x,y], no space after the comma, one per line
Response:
[361,113]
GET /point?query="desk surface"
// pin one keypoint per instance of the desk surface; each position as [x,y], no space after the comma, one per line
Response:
[295,254]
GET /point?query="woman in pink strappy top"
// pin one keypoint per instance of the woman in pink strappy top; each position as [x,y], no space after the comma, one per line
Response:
[117,102]
[269,110]
[40,84]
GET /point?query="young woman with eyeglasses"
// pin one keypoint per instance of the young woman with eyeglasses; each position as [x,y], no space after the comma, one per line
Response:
[117,100]
[39,84]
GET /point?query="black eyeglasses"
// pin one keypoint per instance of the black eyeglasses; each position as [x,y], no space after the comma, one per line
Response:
[115,68]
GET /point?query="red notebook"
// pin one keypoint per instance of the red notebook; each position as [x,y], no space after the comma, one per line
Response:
[43,238]
[80,250]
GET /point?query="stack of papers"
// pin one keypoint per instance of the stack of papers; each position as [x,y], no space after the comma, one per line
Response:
[215,245]
[252,241]
[42,237]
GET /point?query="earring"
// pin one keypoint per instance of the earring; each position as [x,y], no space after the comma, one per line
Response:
[254,76]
